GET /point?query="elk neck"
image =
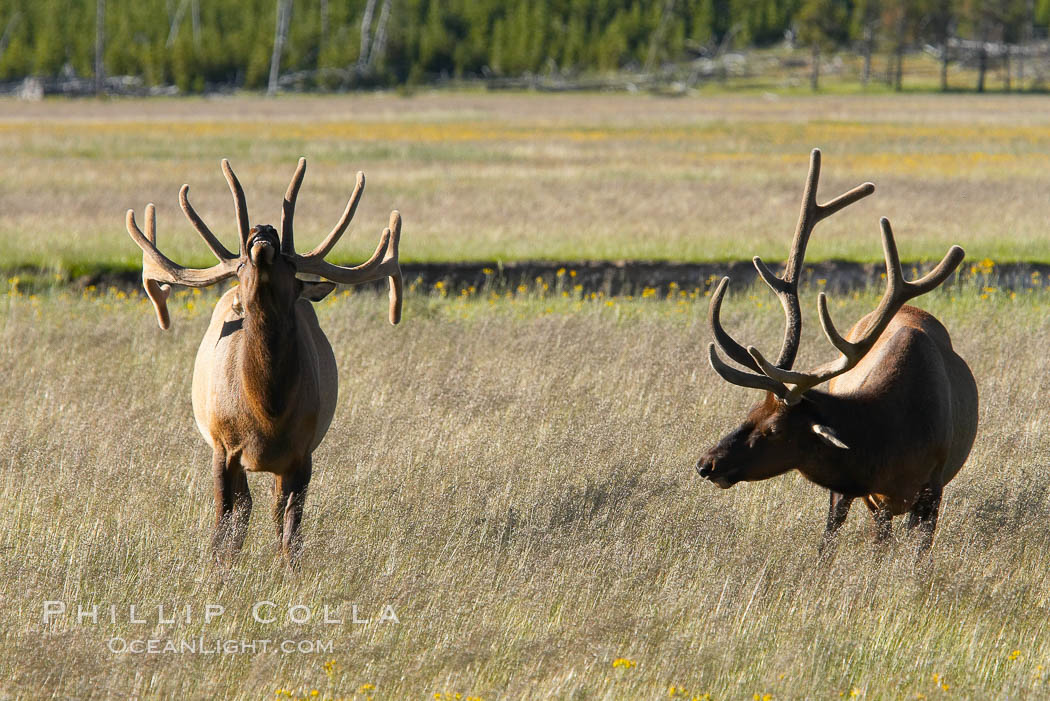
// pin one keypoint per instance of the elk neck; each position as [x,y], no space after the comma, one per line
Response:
[269,352]
[857,422]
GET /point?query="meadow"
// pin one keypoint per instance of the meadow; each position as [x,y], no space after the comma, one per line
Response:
[512,176]
[510,470]
[514,476]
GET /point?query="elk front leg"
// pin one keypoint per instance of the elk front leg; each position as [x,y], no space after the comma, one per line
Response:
[233,505]
[838,509]
[924,515]
[289,498]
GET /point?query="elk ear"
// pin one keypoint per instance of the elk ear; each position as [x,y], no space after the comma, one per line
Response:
[315,291]
[828,436]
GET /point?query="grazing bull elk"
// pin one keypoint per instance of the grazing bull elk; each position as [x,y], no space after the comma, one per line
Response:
[265,380]
[898,418]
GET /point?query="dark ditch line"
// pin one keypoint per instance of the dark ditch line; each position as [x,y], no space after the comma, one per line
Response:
[612,278]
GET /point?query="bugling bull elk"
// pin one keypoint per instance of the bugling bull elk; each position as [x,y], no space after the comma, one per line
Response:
[898,418]
[265,380]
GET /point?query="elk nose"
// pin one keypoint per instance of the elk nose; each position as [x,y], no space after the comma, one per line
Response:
[705,467]
[262,252]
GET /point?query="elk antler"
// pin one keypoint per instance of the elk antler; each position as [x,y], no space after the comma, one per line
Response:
[240,205]
[159,272]
[785,288]
[727,372]
[383,263]
[898,292]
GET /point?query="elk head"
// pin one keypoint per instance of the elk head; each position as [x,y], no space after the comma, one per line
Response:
[266,265]
[774,438]
[788,428]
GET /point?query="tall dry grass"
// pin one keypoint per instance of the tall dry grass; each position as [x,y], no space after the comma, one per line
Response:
[515,478]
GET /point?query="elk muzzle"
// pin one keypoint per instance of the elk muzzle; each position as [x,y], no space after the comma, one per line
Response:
[262,252]
[706,467]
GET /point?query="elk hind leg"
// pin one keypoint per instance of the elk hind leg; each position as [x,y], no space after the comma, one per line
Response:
[233,505]
[838,510]
[924,514]
[290,497]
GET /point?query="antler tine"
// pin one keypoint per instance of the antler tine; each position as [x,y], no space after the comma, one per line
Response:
[383,263]
[735,351]
[151,223]
[807,219]
[157,293]
[239,203]
[288,209]
[786,287]
[741,378]
[898,292]
[729,346]
[802,382]
[396,281]
[158,271]
[351,207]
[213,243]
[812,213]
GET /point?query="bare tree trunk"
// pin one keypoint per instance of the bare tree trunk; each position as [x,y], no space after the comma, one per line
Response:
[1026,39]
[658,35]
[1006,70]
[379,42]
[366,35]
[11,24]
[100,45]
[814,74]
[324,23]
[945,59]
[869,40]
[982,66]
[284,12]
[195,16]
[176,22]
[898,78]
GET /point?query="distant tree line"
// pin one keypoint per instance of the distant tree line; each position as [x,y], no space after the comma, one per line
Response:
[343,43]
